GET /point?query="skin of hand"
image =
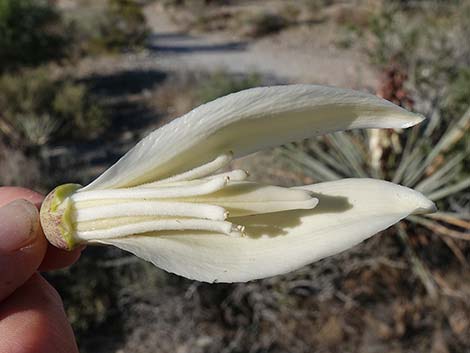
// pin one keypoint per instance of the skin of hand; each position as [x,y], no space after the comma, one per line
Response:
[32,317]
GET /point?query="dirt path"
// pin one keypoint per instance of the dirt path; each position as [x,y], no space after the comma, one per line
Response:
[303,54]
[300,54]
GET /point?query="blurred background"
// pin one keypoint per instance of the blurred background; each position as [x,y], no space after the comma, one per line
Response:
[81,81]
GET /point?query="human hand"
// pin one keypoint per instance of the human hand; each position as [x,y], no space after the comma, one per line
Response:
[32,318]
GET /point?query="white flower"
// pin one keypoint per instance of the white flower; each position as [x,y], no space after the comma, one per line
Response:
[163,202]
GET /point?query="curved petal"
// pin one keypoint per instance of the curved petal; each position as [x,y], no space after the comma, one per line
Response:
[349,211]
[246,122]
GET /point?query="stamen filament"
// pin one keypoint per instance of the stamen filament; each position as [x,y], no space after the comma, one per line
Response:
[160,192]
[234,175]
[198,172]
[151,208]
[248,208]
[154,226]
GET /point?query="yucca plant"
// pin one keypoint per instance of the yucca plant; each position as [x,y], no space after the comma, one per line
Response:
[431,161]
[425,53]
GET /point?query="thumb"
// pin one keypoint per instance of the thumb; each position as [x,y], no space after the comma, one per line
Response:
[22,245]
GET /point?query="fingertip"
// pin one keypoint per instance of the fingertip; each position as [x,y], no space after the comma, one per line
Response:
[22,244]
[18,266]
[10,193]
[19,225]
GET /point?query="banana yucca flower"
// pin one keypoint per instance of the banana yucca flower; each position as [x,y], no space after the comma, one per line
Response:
[164,202]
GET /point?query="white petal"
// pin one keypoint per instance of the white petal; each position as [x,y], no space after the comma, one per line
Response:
[349,211]
[246,122]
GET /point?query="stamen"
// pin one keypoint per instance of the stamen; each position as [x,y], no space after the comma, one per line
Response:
[160,192]
[238,231]
[241,228]
[155,226]
[248,208]
[234,175]
[152,208]
[247,198]
[198,172]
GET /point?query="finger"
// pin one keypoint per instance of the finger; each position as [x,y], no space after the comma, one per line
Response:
[33,320]
[54,258]
[11,193]
[22,244]
[57,258]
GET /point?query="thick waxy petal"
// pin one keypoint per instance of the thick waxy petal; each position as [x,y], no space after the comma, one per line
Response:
[349,211]
[246,122]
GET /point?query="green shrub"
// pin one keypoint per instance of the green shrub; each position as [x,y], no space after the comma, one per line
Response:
[36,108]
[121,26]
[31,32]
[265,23]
